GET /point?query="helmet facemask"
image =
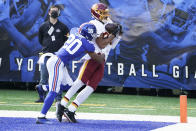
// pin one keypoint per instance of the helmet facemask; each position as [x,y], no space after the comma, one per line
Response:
[100,12]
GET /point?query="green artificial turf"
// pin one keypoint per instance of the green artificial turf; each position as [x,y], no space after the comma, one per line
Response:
[102,103]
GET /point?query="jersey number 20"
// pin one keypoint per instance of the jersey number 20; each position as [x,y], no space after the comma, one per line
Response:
[72,42]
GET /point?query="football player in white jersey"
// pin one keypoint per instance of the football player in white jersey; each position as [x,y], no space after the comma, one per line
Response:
[77,45]
[91,72]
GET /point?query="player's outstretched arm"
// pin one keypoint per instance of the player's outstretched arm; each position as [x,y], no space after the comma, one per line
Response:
[99,58]
[113,29]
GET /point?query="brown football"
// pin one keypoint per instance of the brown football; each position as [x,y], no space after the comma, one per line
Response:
[110,27]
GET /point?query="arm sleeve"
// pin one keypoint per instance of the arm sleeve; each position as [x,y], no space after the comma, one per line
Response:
[88,46]
[115,41]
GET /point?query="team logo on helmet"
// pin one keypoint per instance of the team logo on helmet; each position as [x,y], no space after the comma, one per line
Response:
[100,11]
[88,31]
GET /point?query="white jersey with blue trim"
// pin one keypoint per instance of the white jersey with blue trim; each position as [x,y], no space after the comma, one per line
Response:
[74,47]
[100,27]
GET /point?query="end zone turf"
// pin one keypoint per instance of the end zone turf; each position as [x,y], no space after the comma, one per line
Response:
[25,120]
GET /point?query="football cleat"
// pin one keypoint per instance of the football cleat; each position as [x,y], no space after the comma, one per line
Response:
[70,116]
[42,120]
[59,111]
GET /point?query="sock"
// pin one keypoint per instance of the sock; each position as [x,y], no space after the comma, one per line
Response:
[81,97]
[56,104]
[73,107]
[64,101]
[48,102]
[76,86]
[41,115]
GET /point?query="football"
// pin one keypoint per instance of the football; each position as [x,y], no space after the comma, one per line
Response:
[111,27]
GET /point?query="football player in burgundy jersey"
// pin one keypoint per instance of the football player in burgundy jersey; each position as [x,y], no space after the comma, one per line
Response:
[91,71]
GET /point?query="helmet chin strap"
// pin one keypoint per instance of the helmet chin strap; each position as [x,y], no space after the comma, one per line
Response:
[104,21]
[98,20]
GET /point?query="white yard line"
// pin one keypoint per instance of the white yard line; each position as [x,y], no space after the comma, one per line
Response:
[178,127]
[121,108]
[190,126]
[99,116]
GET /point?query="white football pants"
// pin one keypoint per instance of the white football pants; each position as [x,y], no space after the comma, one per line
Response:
[58,74]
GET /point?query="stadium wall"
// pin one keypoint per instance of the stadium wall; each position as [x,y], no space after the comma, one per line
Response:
[157,49]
